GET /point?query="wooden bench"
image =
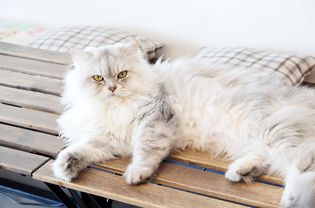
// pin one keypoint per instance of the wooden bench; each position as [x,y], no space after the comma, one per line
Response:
[30,86]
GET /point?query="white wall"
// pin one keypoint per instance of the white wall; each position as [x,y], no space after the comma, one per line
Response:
[185,25]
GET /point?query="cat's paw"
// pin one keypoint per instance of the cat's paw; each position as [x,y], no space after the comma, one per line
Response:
[245,169]
[232,175]
[137,174]
[66,166]
[247,173]
[236,174]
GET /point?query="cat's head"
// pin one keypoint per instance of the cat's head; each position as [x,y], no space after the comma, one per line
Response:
[111,72]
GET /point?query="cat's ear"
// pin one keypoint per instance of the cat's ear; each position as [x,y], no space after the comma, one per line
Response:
[133,47]
[80,57]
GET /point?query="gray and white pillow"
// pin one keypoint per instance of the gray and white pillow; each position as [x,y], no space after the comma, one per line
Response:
[293,67]
[79,37]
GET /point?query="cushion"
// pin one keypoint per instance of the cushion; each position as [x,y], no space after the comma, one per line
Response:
[293,67]
[79,37]
[18,32]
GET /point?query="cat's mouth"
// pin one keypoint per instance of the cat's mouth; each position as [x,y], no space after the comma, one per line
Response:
[118,94]
[113,94]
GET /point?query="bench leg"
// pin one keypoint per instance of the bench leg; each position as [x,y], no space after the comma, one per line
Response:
[62,196]
[97,201]
[79,199]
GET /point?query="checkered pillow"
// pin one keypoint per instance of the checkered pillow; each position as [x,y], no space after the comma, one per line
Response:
[79,37]
[294,68]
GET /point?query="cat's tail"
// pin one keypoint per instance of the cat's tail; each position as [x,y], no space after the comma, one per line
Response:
[299,190]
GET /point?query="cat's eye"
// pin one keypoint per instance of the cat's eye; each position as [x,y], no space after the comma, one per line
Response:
[122,74]
[98,78]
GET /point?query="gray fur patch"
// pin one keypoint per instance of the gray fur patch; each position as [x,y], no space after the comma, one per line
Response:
[75,163]
[158,106]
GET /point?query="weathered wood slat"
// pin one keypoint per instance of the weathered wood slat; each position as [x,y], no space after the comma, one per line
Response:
[204,159]
[29,141]
[33,53]
[30,99]
[114,187]
[28,118]
[207,183]
[33,67]
[30,82]
[20,162]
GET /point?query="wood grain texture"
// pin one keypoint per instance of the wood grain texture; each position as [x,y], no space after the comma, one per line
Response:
[30,82]
[30,99]
[28,118]
[114,187]
[29,141]
[33,67]
[204,159]
[36,54]
[207,183]
[20,162]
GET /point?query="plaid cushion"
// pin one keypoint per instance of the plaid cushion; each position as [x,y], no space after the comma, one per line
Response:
[79,37]
[294,68]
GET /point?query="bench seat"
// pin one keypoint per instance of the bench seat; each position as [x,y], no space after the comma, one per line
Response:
[30,88]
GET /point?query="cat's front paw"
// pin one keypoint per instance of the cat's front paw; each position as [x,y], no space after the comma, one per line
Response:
[137,174]
[232,175]
[238,173]
[246,170]
[67,165]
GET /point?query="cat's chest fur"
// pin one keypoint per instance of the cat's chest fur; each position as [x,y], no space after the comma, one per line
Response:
[119,121]
[122,120]
[92,120]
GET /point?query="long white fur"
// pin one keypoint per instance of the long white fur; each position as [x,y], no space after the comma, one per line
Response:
[247,115]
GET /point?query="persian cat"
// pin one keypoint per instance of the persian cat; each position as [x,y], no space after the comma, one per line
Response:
[116,105]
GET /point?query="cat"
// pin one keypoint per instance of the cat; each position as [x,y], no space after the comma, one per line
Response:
[117,105]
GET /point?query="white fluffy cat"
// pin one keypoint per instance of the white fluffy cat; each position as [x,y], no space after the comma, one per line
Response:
[119,105]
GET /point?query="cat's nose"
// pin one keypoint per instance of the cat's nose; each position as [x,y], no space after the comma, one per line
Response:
[112,88]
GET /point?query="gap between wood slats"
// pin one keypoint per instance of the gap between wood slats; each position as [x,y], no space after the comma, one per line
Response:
[28,118]
[20,162]
[204,159]
[30,82]
[30,99]
[32,67]
[29,141]
[35,54]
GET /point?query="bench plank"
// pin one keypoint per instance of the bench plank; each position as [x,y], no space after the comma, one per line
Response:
[207,183]
[20,162]
[28,118]
[34,53]
[114,187]
[204,159]
[33,67]
[29,141]
[30,99]
[30,82]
